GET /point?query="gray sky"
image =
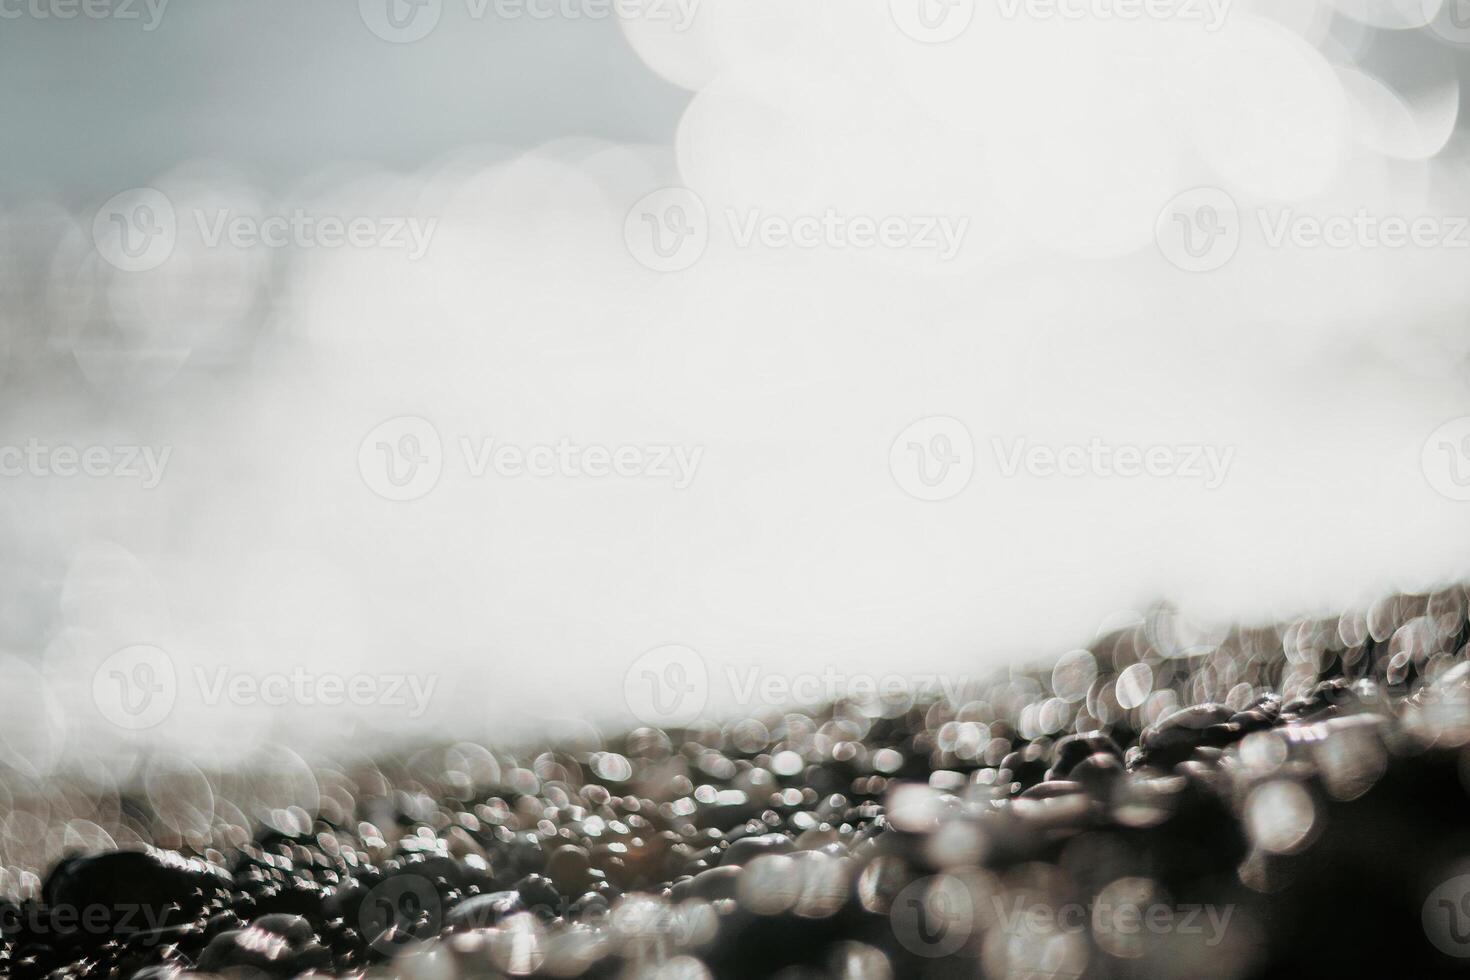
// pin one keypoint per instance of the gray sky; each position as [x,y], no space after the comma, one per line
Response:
[1302,406]
[282,88]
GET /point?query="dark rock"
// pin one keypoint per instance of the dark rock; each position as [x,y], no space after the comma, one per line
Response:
[1052,789]
[1174,738]
[98,897]
[539,895]
[746,849]
[263,951]
[570,869]
[1072,749]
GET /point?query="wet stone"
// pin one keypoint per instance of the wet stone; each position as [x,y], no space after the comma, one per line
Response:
[1252,720]
[170,972]
[298,898]
[1172,739]
[1097,772]
[570,869]
[221,921]
[711,885]
[1222,734]
[539,895]
[1072,749]
[292,928]
[261,950]
[133,891]
[1024,768]
[591,905]
[795,845]
[1052,789]
[1268,704]
[746,849]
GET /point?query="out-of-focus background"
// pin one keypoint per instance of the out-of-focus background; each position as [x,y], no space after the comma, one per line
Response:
[383,369]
